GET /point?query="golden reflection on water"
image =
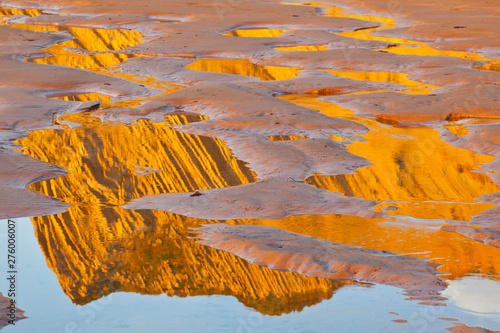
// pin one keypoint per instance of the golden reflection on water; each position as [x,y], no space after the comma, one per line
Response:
[416,172]
[101,160]
[491,67]
[97,50]
[107,100]
[255,32]
[412,170]
[302,48]
[311,102]
[414,87]
[104,99]
[19,11]
[92,49]
[244,67]
[398,45]
[278,138]
[89,39]
[97,251]
[457,129]
[96,247]
[405,47]
[259,33]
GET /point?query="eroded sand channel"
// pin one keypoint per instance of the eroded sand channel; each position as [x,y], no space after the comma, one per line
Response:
[330,150]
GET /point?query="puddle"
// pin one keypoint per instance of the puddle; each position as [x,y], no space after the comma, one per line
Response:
[255,32]
[271,33]
[99,256]
[396,45]
[101,164]
[414,87]
[302,48]
[419,174]
[151,253]
[93,48]
[20,11]
[278,138]
[244,67]
[413,170]
[457,129]
[459,256]
[491,67]
[157,282]
[100,51]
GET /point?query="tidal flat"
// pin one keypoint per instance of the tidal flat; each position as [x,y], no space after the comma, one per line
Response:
[250,166]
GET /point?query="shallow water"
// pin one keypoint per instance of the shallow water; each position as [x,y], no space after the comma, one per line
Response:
[130,311]
[107,265]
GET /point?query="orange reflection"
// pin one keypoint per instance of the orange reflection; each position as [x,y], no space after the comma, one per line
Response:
[92,49]
[495,66]
[97,50]
[259,33]
[458,254]
[414,87]
[398,45]
[101,164]
[311,102]
[419,173]
[457,129]
[96,251]
[19,11]
[104,99]
[244,67]
[302,48]
[415,172]
[278,138]
[97,248]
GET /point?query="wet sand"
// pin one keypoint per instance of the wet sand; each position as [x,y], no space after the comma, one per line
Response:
[279,249]
[5,303]
[378,110]
[466,329]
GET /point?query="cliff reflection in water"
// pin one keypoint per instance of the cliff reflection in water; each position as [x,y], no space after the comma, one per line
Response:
[244,67]
[95,252]
[416,174]
[91,49]
[97,248]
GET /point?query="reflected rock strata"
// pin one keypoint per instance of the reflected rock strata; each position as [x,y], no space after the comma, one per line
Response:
[417,173]
[102,164]
[97,248]
[482,138]
[97,252]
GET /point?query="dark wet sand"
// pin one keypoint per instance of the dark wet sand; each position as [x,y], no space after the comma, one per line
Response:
[5,312]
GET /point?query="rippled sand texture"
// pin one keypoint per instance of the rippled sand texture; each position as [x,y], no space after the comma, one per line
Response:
[336,145]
